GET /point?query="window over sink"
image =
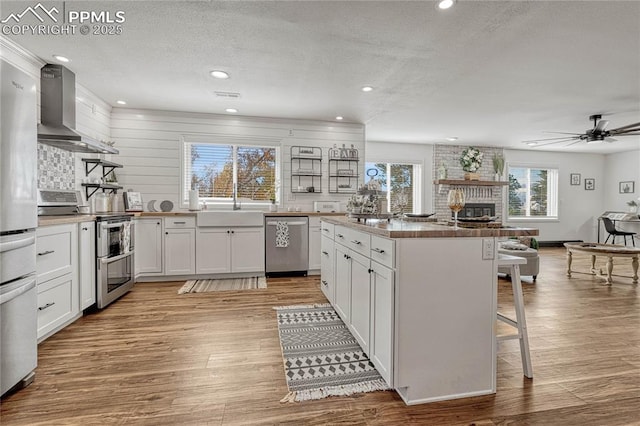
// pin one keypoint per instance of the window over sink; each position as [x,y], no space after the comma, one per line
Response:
[215,168]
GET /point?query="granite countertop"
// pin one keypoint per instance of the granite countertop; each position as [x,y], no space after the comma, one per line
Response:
[404,229]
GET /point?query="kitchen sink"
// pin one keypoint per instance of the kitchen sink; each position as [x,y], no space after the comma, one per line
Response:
[230,218]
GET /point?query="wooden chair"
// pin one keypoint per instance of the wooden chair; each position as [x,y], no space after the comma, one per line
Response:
[610,227]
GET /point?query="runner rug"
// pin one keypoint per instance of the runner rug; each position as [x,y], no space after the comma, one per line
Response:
[321,357]
[201,286]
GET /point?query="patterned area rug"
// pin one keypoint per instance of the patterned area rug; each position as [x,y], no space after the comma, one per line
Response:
[201,286]
[321,357]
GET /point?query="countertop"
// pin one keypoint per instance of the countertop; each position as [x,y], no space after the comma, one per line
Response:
[403,229]
[62,220]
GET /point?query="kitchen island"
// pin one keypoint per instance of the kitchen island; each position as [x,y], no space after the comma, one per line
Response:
[420,298]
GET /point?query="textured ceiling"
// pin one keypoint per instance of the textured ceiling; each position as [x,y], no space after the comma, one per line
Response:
[487,72]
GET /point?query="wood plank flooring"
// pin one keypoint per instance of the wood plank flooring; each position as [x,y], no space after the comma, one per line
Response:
[157,358]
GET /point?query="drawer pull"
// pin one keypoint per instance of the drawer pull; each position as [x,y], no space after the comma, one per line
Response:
[179,223]
[44,253]
[356,242]
[339,235]
[371,270]
[48,305]
[377,250]
[325,253]
[325,229]
[324,282]
[346,256]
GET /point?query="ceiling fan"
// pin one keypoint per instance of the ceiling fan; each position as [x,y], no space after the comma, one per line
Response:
[599,132]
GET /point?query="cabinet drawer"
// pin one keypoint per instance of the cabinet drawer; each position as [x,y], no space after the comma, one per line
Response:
[54,251]
[179,222]
[382,251]
[55,305]
[357,241]
[327,229]
[314,221]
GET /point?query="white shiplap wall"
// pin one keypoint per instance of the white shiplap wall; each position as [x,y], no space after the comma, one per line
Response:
[150,141]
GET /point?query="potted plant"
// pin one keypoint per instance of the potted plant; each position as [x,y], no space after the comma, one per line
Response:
[498,165]
[471,160]
[633,206]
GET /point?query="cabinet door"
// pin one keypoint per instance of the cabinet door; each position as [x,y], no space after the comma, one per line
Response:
[148,240]
[382,320]
[213,251]
[327,277]
[87,264]
[247,250]
[343,283]
[314,246]
[360,300]
[180,251]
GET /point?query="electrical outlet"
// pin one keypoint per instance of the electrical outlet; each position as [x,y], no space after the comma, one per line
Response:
[488,249]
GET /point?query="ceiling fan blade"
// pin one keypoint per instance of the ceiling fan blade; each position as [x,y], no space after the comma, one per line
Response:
[628,128]
[552,139]
[535,144]
[602,124]
[565,133]
[610,140]
[632,132]
[574,142]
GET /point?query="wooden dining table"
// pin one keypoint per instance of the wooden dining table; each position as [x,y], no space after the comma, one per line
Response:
[608,250]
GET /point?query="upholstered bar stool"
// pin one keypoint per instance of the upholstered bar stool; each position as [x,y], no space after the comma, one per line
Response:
[520,323]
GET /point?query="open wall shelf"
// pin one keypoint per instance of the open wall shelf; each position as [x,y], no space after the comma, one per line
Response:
[306,169]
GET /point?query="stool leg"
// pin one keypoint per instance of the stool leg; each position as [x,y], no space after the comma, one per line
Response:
[518,300]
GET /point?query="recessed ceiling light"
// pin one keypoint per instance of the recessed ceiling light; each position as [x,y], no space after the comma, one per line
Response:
[452,138]
[445,4]
[232,110]
[219,74]
[339,117]
[61,58]
[367,88]
[121,102]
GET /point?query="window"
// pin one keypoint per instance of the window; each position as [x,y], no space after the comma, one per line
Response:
[401,182]
[214,168]
[533,192]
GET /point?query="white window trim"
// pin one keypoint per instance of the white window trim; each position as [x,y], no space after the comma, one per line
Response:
[230,140]
[417,172]
[555,200]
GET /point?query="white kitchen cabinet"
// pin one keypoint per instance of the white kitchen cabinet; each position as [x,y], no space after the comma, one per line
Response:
[57,278]
[213,251]
[148,246]
[314,244]
[179,251]
[382,311]
[360,300]
[342,302]
[230,250]
[247,249]
[87,263]
[327,272]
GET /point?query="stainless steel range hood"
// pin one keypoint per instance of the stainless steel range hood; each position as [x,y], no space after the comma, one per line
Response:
[58,113]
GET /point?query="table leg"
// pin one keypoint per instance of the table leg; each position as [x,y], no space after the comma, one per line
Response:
[593,264]
[634,265]
[609,269]
[569,254]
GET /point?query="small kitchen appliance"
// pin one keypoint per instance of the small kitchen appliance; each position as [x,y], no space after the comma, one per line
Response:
[326,206]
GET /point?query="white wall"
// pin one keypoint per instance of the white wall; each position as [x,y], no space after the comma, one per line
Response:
[622,167]
[406,153]
[149,142]
[578,209]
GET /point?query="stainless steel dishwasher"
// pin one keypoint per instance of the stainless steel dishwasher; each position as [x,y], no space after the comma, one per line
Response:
[286,245]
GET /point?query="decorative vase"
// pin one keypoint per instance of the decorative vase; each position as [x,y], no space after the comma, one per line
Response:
[471,176]
[497,177]
[273,207]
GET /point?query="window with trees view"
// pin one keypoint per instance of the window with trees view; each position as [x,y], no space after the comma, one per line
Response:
[533,192]
[214,168]
[401,183]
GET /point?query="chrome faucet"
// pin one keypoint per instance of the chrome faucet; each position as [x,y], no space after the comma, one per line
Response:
[236,205]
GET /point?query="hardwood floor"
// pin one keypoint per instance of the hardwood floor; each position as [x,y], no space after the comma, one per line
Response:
[158,358]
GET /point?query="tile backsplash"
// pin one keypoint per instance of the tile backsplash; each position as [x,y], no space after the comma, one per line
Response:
[56,168]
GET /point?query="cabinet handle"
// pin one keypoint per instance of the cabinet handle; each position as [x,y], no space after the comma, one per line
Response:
[228,232]
[377,250]
[325,253]
[233,232]
[371,270]
[356,242]
[324,282]
[46,252]
[85,229]
[179,223]
[166,233]
[325,229]
[339,235]
[157,223]
[346,256]
[48,305]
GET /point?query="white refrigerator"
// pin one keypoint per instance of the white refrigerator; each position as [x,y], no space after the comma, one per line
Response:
[18,220]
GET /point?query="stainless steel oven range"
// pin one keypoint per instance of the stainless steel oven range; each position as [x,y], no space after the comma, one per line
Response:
[114,252]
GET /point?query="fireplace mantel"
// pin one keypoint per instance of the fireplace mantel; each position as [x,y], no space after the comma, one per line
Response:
[470,182]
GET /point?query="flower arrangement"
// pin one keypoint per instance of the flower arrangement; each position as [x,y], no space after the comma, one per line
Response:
[471,159]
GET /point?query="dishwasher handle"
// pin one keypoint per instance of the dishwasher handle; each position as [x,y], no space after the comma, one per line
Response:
[294,223]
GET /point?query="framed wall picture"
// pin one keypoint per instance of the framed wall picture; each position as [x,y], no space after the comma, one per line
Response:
[589,184]
[627,187]
[575,178]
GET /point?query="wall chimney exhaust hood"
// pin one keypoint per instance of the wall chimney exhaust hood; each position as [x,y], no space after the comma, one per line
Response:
[58,113]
